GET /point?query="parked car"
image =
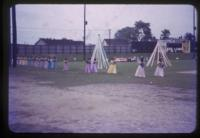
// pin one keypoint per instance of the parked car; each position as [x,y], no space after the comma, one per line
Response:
[132,59]
[121,59]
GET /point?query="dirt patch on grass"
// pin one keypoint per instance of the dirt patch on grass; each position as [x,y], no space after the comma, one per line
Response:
[100,108]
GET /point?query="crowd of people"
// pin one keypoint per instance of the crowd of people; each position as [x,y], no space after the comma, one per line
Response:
[50,63]
[140,71]
[38,61]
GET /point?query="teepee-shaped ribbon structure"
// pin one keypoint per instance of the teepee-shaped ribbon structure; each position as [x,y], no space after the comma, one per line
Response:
[100,55]
[159,52]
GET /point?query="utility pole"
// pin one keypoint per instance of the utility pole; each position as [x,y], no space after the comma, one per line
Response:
[14,46]
[85,23]
[194,27]
[109,31]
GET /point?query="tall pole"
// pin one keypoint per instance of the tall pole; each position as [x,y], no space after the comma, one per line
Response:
[84,53]
[10,41]
[14,46]
[194,27]
[109,37]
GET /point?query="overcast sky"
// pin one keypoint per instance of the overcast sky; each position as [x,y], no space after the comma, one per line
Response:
[66,21]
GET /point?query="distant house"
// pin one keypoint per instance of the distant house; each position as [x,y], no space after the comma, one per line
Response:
[115,42]
[56,46]
[174,40]
[58,42]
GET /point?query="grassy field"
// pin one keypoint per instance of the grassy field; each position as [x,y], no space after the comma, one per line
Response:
[76,76]
[56,101]
[79,57]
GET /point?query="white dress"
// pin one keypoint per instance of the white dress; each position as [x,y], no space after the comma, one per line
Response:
[46,64]
[159,71]
[93,67]
[140,72]
[87,67]
[65,66]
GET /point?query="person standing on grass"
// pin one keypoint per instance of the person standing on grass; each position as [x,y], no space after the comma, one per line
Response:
[45,62]
[65,67]
[87,66]
[23,59]
[112,69]
[54,62]
[159,72]
[31,61]
[140,69]
[40,62]
[18,60]
[49,62]
[28,61]
[36,62]
[94,66]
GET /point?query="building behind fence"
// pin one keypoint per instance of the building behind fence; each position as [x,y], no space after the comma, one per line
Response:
[25,50]
[40,48]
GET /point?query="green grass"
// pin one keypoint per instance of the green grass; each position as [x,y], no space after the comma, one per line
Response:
[79,57]
[76,76]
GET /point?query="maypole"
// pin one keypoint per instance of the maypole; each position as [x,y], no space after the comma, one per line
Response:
[160,50]
[100,55]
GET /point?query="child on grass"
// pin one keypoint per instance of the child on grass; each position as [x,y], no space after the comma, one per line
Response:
[87,66]
[65,65]
[94,66]
[140,69]
[159,72]
[112,69]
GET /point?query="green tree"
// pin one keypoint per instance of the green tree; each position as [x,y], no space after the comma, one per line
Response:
[126,33]
[189,36]
[133,33]
[140,25]
[165,34]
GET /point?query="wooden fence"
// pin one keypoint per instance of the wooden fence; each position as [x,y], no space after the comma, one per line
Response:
[25,50]
[140,47]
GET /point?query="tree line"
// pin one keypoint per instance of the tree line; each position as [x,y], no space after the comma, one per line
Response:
[134,33]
